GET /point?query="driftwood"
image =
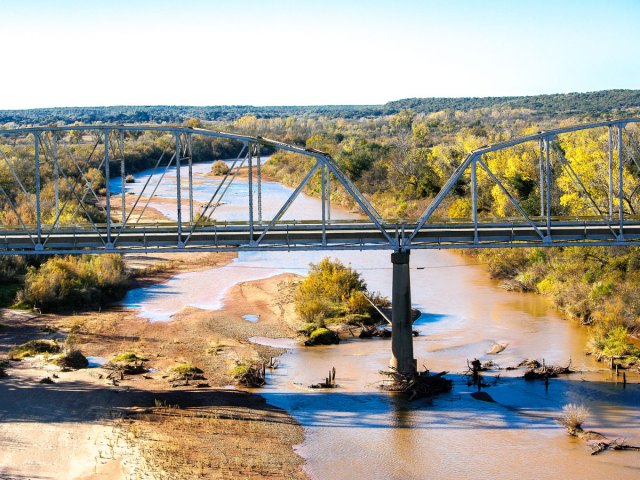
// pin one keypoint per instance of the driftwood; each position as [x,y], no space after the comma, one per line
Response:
[616,444]
[254,376]
[329,382]
[370,331]
[272,364]
[598,442]
[117,371]
[544,372]
[420,384]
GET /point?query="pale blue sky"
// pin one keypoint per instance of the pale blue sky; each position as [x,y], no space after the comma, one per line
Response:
[196,52]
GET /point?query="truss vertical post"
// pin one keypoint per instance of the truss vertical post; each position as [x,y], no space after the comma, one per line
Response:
[548,185]
[474,199]
[542,180]
[258,166]
[56,174]
[38,215]
[324,203]
[107,186]
[329,196]
[610,172]
[178,190]
[250,150]
[620,179]
[123,179]
[190,153]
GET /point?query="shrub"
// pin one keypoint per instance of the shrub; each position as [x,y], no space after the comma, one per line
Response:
[33,348]
[72,359]
[573,416]
[76,281]
[615,343]
[239,370]
[322,336]
[219,168]
[307,328]
[129,357]
[186,370]
[329,287]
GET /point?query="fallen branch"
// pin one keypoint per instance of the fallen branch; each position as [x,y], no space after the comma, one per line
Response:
[420,384]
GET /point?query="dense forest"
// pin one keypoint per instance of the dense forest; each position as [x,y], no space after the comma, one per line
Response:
[400,155]
[595,104]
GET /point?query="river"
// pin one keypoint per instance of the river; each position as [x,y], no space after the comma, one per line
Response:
[357,431]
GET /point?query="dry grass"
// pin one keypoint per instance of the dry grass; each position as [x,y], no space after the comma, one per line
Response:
[215,442]
[573,416]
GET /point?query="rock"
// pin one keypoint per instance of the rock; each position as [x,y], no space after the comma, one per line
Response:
[497,348]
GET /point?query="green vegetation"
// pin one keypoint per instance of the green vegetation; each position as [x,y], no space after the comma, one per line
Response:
[614,343]
[186,370]
[33,348]
[129,357]
[71,359]
[330,293]
[72,282]
[239,370]
[323,336]
[591,103]
[219,168]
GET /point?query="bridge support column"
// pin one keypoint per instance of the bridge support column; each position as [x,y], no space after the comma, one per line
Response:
[402,327]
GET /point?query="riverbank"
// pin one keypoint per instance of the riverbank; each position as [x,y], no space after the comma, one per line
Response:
[140,426]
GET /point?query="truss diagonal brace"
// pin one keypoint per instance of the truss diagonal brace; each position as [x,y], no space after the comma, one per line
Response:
[574,177]
[357,196]
[288,203]
[441,195]
[510,197]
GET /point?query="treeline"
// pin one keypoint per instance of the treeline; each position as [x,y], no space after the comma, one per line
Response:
[601,103]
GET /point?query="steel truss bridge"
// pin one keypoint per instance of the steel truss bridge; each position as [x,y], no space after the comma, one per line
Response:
[53,181]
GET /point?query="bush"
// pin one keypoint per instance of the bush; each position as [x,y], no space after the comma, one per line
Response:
[33,348]
[129,357]
[330,287]
[615,343]
[239,370]
[573,416]
[186,370]
[322,336]
[72,359]
[76,281]
[219,168]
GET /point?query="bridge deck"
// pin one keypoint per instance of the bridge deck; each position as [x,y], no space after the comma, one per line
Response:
[310,236]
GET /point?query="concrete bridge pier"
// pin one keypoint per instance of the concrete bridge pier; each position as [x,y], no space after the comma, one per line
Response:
[402,327]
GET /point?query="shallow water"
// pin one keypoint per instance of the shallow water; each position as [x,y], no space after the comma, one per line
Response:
[356,431]
[96,361]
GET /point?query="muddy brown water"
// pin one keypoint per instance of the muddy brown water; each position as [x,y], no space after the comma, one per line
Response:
[357,431]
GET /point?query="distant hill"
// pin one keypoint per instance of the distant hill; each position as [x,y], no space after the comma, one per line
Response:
[590,103]
[602,103]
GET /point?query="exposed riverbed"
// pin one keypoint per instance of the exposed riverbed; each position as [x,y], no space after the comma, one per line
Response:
[357,431]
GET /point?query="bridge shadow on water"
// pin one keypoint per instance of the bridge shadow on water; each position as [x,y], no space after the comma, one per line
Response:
[512,404]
